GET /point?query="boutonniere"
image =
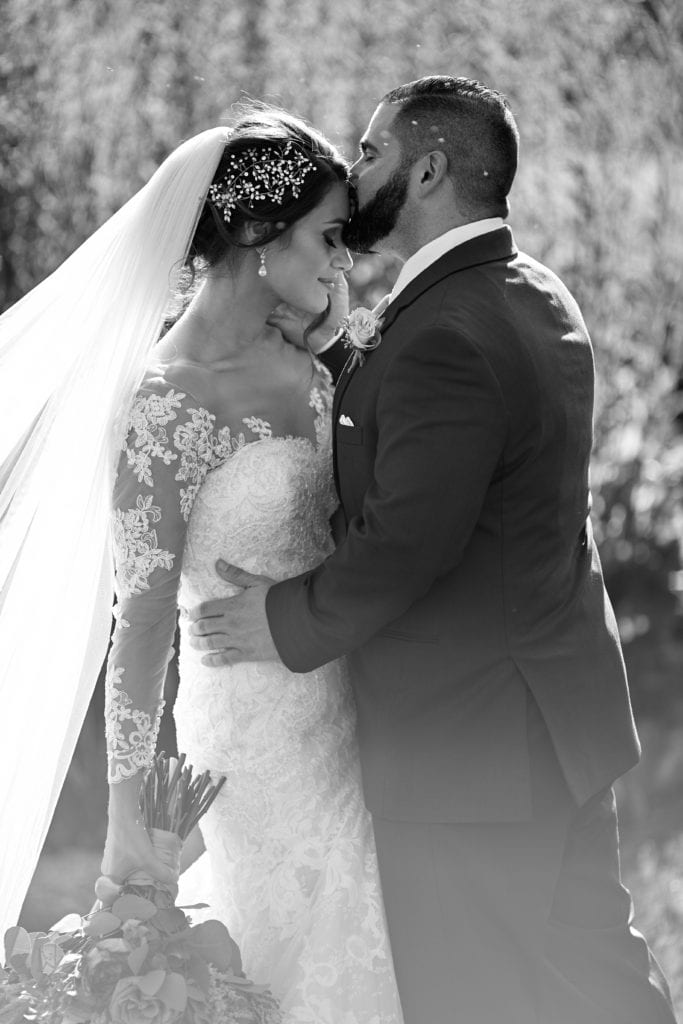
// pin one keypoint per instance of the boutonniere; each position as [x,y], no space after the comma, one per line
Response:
[361,332]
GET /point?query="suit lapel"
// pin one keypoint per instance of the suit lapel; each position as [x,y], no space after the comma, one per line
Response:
[495,245]
[340,387]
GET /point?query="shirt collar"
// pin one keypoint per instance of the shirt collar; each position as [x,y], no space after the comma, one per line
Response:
[438,247]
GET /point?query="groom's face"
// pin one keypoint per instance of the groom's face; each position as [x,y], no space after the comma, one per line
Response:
[381,179]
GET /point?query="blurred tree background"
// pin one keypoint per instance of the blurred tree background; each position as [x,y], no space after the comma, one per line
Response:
[95,93]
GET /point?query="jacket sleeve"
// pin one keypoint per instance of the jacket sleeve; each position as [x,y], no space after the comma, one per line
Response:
[442,425]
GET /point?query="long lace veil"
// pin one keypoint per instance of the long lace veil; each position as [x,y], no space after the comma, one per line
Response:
[72,353]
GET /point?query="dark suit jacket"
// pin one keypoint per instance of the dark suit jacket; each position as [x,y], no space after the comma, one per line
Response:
[468,572]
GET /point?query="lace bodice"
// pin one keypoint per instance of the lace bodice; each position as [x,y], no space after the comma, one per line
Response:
[173,451]
[292,869]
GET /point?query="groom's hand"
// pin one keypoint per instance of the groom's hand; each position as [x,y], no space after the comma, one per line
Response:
[234,629]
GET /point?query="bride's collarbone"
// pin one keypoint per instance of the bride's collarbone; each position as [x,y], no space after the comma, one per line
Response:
[277,392]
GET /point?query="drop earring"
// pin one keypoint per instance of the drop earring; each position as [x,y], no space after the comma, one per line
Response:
[262,270]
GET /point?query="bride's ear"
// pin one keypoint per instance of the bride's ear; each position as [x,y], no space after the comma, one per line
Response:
[257,232]
[254,231]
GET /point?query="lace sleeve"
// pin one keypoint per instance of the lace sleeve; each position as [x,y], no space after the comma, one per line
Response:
[148,534]
[172,443]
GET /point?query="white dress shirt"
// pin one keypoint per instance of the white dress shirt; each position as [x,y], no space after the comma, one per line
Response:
[424,258]
[438,247]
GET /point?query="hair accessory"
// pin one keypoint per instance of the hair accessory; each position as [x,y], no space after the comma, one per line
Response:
[258,174]
[262,270]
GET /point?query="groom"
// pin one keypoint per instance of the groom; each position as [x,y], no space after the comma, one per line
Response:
[493,710]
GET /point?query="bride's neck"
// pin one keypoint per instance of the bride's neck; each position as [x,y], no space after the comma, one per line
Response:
[226,318]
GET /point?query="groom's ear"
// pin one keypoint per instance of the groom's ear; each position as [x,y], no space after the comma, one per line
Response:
[430,171]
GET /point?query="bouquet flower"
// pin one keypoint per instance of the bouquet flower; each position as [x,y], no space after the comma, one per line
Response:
[140,960]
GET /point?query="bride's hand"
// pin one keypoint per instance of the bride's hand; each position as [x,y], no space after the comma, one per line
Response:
[128,849]
[293,323]
[323,333]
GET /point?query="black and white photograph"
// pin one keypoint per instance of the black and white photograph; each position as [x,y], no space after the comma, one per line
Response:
[341,512]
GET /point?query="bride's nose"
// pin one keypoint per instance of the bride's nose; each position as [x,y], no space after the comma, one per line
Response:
[342,260]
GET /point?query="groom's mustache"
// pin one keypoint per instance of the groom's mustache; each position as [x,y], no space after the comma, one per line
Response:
[354,231]
[378,216]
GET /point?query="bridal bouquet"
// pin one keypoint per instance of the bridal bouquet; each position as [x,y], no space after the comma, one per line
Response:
[141,960]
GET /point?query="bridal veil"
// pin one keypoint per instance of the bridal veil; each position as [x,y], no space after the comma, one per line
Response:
[72,353]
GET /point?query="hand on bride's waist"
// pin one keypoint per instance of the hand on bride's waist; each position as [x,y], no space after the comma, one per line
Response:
[234,629]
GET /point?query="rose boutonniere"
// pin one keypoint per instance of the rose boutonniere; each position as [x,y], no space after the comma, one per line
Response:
[360,332]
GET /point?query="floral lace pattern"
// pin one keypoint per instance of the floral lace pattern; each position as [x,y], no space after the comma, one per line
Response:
[290,865]
[159,453]
[136,544]
[130,752]
[293,869]
[147,432]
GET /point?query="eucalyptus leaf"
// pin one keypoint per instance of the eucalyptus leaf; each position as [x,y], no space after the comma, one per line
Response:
[151,982]
[17,943]
[173,992]
[137,958]
[212,940]
[52,955]
[36,957]
[68,923]
[101,923]
[114,945]
[133,907]
[198,971]
[170,921]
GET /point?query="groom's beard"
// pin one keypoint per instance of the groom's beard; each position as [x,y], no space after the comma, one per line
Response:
[371,223]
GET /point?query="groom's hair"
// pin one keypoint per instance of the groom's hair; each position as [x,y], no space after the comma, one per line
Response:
[472,125]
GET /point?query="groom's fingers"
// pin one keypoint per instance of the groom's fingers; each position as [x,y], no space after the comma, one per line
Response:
[219,658]
[214,642]
[239,577]
[206,618]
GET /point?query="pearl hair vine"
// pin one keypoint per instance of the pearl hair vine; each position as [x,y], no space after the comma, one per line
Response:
[257,174]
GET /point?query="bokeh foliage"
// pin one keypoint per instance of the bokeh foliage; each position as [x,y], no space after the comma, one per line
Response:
[94,94]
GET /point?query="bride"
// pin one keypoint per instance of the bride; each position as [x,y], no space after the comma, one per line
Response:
[222,434]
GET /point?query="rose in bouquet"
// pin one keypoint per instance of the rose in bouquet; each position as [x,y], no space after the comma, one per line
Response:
[137,958]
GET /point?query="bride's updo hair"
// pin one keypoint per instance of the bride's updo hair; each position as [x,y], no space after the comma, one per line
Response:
[275,169]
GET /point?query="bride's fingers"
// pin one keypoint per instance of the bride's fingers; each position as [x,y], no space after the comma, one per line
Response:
[106,890]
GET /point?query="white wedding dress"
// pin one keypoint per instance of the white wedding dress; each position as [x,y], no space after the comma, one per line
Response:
[293,871]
